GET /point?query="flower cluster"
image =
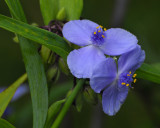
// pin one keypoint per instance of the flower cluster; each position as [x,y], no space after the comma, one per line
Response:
[107,75]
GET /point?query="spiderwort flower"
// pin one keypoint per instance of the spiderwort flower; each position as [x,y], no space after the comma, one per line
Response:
[97,41]
[115,82]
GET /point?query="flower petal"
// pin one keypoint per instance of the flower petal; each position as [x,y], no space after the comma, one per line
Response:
[113,97]
[131,61]
[118,41]
[79,31]
[81,62]
[103,75]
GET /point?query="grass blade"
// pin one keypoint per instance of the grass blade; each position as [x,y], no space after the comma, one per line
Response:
[50,40]
[6,95]
[5,124]
[34,68]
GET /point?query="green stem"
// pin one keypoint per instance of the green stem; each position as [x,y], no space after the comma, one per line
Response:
[68,103]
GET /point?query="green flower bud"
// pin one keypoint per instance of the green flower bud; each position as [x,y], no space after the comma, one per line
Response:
[90,96]
[61,14]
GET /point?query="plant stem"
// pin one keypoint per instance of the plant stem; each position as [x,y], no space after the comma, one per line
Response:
[68,103]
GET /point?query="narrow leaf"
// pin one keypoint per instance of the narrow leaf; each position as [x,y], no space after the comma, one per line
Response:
[148,72]
[50,40]
[37,81]
[16,10]
[5,124]
[6,95]
[35,70]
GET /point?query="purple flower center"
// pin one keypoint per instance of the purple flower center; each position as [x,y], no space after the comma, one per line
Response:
[98,36]
[127,78]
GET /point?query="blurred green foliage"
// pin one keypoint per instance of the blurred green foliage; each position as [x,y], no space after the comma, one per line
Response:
[142,107]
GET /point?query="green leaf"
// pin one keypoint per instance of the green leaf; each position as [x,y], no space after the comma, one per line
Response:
[61,9]
[6,95]
[37,81]
[16,10]
[148,72]
[50,40]
[52,112]
[5,124]
[157,66]
[73,8]
[35,71]
[49,9]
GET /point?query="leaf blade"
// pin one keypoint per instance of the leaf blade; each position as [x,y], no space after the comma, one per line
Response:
[52,111]
[69,6]
[148,72]
[49,9]
[6,95]
[50,40]
[5,124]
[34,68]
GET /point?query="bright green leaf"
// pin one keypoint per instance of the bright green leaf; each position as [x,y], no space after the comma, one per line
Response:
[5,124]
[73,8]
[50,40]
[6,95]
[52,112]
[148,72]
[61,9]
[49,9]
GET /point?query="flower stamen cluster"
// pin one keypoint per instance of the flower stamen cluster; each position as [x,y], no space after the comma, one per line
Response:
[129,79]
[98,36]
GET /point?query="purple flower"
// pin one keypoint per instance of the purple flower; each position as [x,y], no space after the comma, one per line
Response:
[115,82]
[97,42]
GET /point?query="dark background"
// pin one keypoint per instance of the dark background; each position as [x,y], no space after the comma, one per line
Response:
[142,107]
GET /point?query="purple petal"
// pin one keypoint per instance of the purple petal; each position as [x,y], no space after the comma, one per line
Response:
[79,31]
[118,41]
[103,75]
[131,61]
[81,62]
[113,97]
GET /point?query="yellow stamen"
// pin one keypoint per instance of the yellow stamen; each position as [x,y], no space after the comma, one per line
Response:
[127,84]
[105,29]
[101,26]
[97,27]
[103,36]
[134,75]
[123,83]
[128,74]
[99,30]
[135,80]
[94,33]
